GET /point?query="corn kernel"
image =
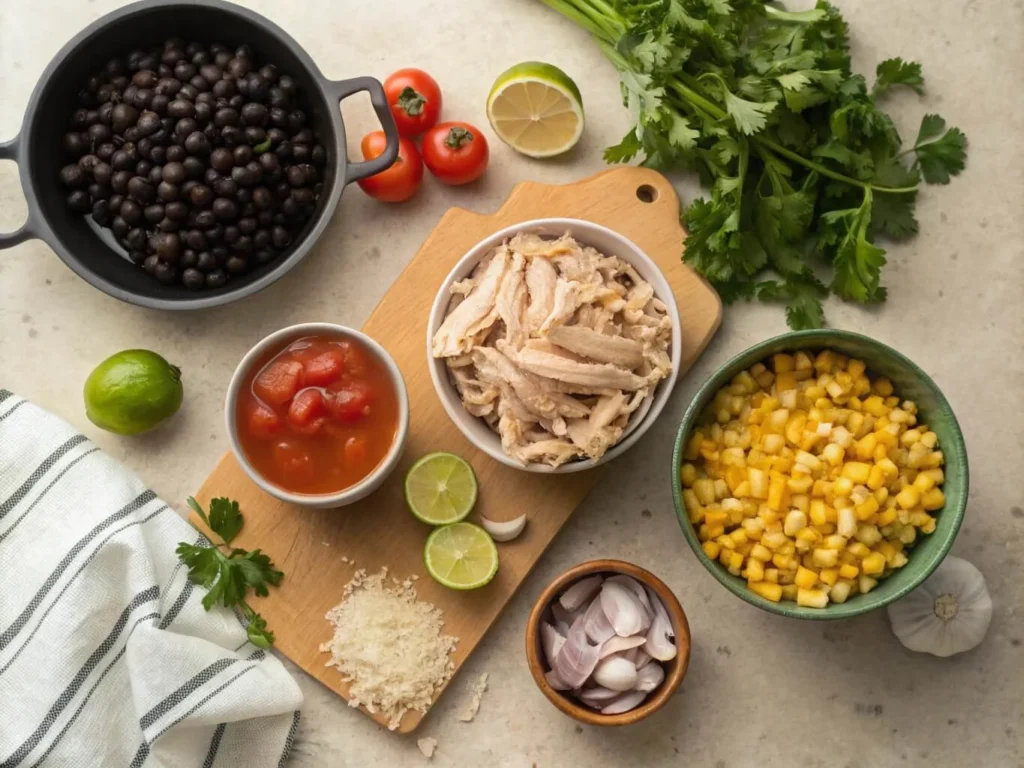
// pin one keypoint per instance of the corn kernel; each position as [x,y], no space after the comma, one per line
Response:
[795,521]
[811,598]
[782,363]
[842,487]
[865,584]
[840,592]
[928,526]
[739,537]
[829,576]
[825,558]
[771,575]
[805,578]
[887,517]
[909,497]
[789,590]
[712,549]
[867,508]
[856,472]
[858,550]
[873,564]
[735,563]
[924,482]
[933,500]
[754,571]
[848,571]
[846,524]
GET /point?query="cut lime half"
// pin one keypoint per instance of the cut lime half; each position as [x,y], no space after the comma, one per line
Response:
[461,556]
[536,109]
[440,489]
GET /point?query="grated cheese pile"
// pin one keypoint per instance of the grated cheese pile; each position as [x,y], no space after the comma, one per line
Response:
[388,646]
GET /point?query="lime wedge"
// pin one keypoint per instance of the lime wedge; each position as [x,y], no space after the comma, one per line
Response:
[536,109]
[440,489]
[461,556]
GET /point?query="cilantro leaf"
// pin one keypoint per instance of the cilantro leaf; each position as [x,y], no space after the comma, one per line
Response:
[748,116]
[893,214]
[897,72]
[940,153]
[680,133]
[802,297]
[228,575]
[856,262]
[624,151]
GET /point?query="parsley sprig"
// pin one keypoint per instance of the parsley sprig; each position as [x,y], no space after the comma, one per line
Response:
[227,572]
[806,170]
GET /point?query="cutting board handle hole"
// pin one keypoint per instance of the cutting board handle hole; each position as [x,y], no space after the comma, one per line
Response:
[645,193]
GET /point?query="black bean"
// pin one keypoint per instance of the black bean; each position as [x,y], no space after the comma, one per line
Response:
[105,151]
[225,188]
[101,212]
[214,234]
[204,112]
[153,213]
[168,225]
[88,162]
[247,225]
[296,176]
[283,190]
[280,237]
[231,234]
[236,265]
[196,143]
[254,135]
[156,174]
[167,191]
[176,211]
[224,89]
[225,116]
[305,136]
[101,171]
[106,112]
[168,86]
[207,262]
[244,197]
[173,172]
[290,208]
[98,134]
[264,255]
[131,212]
[296,120]
[172,55]
[158,155]
[287,84]
[195,239]
[244,176]
[184,127]
[192,278]
[185,71]
[236,102]
[311,173]
[73,176]
[318,155]
[242,154]
[302,196]
[189,91]
[119,226]
[206,219]
[278,100]
[262,198]
[189,258]
[159,104]
[78,201]
[259,87]
[221,58]
[181,108]
[300,153]
[136,238]
[143,97]
[269,73]
[269,162]
[201,196]
[231,135]
[254,114]
[216,279]
[165,273]
[144,78]
[122,160]
[151,263]
[175,154]
[149,122]
[98,191]
[283,150]
[149,62]
[220,253]
[225,209]
[194,167]
[143,167]
[265,218]
[211,73]
[222,159]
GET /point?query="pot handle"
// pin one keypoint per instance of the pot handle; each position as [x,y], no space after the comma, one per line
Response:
[9,151]
[345,88]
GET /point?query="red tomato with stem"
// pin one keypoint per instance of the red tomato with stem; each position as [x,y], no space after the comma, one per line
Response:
[415,101]
[399,182]
[456,153]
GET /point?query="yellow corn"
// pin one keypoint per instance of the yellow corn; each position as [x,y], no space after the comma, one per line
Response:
[933,499]
[840,592]
[767,590]
[811,598]
[754,571]
[873,564]
[711,549]
[829,576]
[848,571]
[825,558]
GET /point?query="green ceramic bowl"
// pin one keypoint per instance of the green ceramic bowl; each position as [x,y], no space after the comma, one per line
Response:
[910,383]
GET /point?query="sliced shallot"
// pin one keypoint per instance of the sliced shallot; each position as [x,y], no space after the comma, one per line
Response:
[638,589]
[661,636]
[551,641]
[504,530]
[623,703]
[641,657]
[649,678]
[615,644]
[596,624]
[555,681]
[597,696]
[622,608]
[616,673]
[578,594]
[577,658]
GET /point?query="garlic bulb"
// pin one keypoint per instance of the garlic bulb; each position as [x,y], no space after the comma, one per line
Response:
[949,613]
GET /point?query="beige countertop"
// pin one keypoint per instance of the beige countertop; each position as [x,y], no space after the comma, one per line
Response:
[761,690]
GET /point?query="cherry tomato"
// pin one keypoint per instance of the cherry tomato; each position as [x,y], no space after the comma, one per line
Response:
[263,422]
[325,368]
[305,408]
[399,182]
[351,404]
[415,101]
[278,382]
[455,152]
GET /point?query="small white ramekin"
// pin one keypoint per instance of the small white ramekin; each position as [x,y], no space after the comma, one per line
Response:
[607,242]
[368,484]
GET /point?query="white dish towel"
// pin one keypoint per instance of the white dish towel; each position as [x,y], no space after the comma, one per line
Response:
[107,657]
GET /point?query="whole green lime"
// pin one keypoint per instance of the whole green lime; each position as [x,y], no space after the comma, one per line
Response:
[132,392]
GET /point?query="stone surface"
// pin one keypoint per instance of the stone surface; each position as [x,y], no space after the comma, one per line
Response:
[761,690]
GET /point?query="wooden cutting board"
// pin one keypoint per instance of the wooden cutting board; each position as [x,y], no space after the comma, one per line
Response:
[309,545]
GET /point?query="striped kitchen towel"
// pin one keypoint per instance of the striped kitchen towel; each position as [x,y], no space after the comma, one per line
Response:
[107,657]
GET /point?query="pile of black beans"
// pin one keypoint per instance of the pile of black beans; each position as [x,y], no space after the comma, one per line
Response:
[199,159]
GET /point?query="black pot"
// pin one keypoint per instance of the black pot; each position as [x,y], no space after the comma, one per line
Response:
[93,253]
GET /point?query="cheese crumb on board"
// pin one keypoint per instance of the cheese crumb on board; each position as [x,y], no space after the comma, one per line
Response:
[427,746]
[477,688]
[388,646]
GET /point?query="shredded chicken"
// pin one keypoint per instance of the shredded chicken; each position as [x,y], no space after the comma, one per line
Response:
[554,345]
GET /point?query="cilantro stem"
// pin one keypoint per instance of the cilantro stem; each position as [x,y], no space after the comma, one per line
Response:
[584,21]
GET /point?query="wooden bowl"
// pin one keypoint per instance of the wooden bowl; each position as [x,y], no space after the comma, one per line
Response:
[675,669]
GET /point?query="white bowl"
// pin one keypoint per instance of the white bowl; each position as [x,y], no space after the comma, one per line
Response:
[368,484]
[607,242]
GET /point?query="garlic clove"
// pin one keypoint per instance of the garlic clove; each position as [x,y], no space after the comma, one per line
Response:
[555,681]
[580,592]
[577,658]
[624,703]
[615,644]
[597,696]
[649,678]
[551,641]
[622,608]
[596,624]
[616,673]
[661,636]
[504,530]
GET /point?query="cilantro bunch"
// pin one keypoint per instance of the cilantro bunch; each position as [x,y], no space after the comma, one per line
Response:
[805,168]
[228,572]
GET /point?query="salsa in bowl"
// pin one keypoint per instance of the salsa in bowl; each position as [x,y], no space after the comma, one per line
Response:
[317,414]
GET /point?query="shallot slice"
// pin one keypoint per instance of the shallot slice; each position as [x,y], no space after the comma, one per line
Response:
[641,658]
[555,681]
[576,595]
[622,608]
[505,530]
[577,658]
[638,589]
[661,636]
[616,673]
[597,696]
[649,678]
[564,617]
[624,703]
[551,641]
[596,624]
[615,644]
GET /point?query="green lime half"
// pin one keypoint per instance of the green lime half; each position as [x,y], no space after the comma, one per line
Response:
[461,556]
[536,109]
[440,489]
[133,391]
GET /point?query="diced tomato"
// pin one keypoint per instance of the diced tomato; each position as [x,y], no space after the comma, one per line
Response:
[278,382]
[355,359]
[306,406]
[355,450]
[294,463]
[263,422]
[350,404]
[325,367]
